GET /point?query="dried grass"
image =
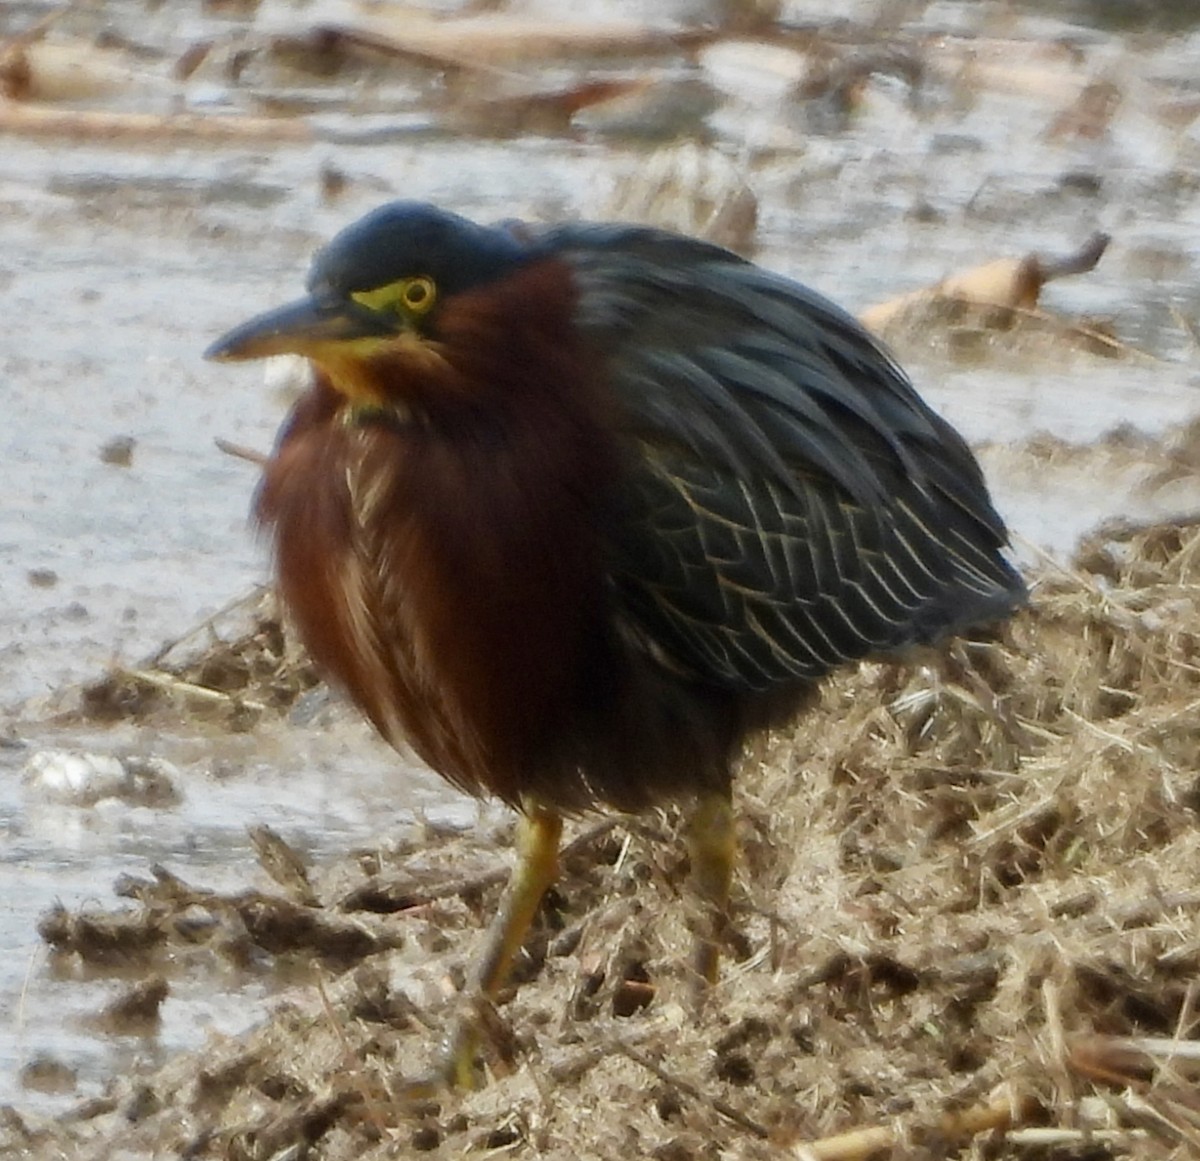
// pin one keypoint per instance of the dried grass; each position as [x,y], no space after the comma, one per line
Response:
[968,890]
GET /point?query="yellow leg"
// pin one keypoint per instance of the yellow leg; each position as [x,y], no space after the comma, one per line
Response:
[539,831]
[713,848]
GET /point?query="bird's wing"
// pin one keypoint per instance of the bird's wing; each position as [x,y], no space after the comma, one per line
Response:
[790,502]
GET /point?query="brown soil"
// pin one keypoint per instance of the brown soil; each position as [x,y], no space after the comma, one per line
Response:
[967,896]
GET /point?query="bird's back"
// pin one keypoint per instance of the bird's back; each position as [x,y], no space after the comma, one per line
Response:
[789,502]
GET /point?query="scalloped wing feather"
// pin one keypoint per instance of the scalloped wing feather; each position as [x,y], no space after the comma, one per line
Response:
[790,503]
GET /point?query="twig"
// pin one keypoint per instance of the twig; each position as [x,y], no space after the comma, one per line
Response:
[859,1144]
[1076,328]
[353,1064]
[1145,911]
[1147,1110]
[99,126]
[1179,1045]
[408,896]
[170,684]
[1055,1037]
[1126,1061]
[475,44]
[1050,560]
[1048,1137]
[241,452]
[141,672]
[1081,261]
[684,1086]
[572,1068]
[168,647]
[585,838]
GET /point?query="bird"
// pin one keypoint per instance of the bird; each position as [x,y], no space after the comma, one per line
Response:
[574,509]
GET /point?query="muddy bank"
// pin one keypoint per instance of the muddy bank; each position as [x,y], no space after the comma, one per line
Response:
[966,885]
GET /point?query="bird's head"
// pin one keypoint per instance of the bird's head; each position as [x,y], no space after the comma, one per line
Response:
[376,292]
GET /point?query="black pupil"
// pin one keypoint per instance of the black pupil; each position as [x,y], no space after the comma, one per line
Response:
[416,294]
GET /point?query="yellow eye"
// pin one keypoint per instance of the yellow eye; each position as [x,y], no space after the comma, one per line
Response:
[417,294]
[408,296]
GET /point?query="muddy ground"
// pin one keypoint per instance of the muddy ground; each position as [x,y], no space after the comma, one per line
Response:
[966,915]
[967,889]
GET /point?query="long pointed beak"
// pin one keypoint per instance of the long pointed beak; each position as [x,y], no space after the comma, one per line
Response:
[299,328]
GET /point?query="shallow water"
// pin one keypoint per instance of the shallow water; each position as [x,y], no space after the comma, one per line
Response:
[120,262]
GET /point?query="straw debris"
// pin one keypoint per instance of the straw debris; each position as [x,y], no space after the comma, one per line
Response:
[966,908]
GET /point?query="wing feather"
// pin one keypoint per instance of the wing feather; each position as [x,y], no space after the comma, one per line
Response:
[790,503]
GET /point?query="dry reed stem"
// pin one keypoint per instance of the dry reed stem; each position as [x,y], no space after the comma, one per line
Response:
[187,689]
[98,126]
[241,452]
[861,1144]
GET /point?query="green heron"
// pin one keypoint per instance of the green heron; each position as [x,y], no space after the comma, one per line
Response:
[572,509]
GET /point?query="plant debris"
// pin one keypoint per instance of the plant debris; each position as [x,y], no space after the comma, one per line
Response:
[966,905]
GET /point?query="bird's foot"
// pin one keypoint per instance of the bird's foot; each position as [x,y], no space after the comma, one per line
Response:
[478,1027]
[459,1067]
